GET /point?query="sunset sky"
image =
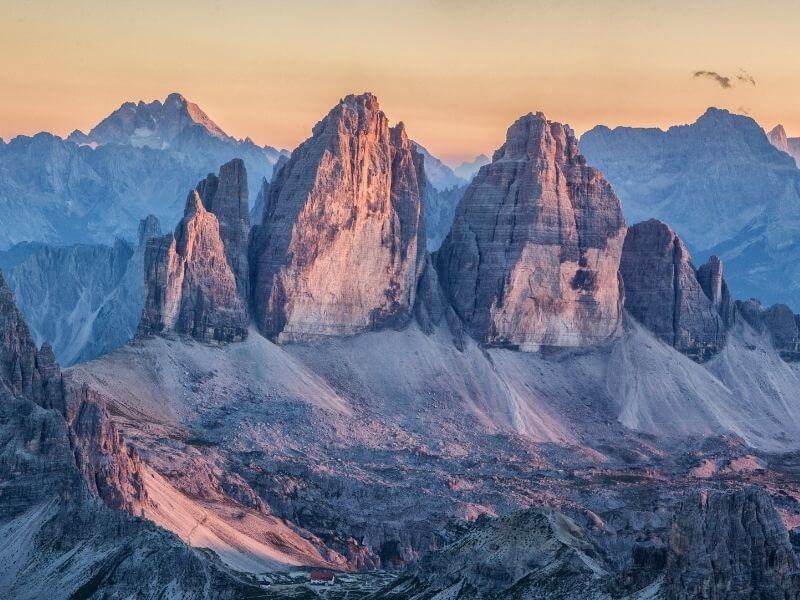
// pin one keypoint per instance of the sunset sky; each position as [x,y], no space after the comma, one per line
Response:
[456,72]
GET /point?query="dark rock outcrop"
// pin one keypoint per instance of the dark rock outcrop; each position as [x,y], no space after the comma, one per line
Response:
[190,287]
[730,545]
[24,369]
[663,293]
[342,243]
[533,256]
[225,196]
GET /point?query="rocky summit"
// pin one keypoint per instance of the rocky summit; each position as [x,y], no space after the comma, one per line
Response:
[225,196]
[662,290]
[533,255]
[190,287]
[342,242]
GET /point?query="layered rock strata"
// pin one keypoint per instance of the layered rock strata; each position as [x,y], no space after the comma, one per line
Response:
[533,256]
[342,242]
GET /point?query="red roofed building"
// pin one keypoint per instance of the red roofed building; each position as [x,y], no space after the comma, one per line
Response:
[321,577]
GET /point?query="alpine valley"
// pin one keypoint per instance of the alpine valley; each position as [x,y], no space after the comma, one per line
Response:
[353,365]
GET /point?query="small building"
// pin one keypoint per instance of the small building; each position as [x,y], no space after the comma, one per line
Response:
[321,578]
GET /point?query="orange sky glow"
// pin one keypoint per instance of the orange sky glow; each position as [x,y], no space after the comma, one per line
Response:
[456,72]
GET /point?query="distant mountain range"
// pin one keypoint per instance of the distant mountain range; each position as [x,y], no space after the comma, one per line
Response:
[722,186]
[95,187]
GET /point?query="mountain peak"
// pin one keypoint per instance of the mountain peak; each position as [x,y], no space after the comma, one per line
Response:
[533,254]
[341,246]
[155,124]
[533,134]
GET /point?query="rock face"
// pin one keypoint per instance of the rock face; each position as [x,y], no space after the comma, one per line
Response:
[781,323]
[721,186]
[342,243]
[710,277]
[28,372]
[226,197]
[533,255]
[440,210]
[61,458]
[529,554]
[190,287]
[663,293]
[730,545]
[778,138]
[85,299]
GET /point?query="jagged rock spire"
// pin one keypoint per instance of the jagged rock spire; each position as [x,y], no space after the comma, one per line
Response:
[189,286]
[225,195]
[342,244]
[533,254]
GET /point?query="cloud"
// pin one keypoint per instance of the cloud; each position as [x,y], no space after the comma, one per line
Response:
[745,77]
[724,82]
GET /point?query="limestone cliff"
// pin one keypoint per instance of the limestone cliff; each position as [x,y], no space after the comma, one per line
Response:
[533,255]
[342,243]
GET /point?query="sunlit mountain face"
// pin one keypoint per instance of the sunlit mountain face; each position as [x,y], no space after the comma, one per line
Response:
[400,304]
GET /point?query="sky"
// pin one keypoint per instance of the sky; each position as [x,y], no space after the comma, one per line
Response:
[457,73]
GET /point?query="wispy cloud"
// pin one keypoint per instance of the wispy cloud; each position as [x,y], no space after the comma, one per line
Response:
[745,77]
[724,82]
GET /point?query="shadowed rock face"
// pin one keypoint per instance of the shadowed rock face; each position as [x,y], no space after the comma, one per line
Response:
[27,372]
[779,320]
[730,545]
[662,291]
[533,255]
[342,243]
[189,286]
[711,279]
[226,197]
